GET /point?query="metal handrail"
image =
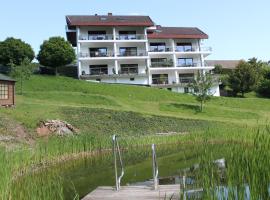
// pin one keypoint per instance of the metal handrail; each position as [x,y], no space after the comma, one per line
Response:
[155,167]
[116,152]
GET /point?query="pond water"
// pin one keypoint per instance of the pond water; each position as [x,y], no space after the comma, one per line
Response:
[86,174]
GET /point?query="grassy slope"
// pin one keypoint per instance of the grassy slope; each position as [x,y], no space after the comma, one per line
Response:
[131,108]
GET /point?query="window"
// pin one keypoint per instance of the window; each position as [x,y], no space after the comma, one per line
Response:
[3,91]
[98,69]
[158,47]
[186,78]
[128,51]
[185,62]
[129,69]
[98,52]
[127,35]
[132,79]
[160,79]
[184,47]
[97,35]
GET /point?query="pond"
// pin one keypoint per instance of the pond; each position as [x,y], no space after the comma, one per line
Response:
[244,176]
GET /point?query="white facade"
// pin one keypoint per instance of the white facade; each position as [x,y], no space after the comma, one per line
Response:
[132,58]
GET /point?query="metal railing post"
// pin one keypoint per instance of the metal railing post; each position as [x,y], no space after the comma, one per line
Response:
[155,167]
[116,150]
[115,162]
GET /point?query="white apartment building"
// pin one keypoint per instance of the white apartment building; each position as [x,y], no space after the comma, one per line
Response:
[133,50]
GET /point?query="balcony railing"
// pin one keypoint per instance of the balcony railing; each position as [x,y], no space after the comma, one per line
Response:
[96,37]
[97,54]
[130,37]
[168,63]
[189,65]
[192,49]
[132,53]
[161,49]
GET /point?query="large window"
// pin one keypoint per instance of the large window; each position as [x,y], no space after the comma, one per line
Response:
[97,35]
[185,62]
[129,69]
[184,47]
[3,91]
[160,79]
[98,52]
[128,51]
[186,78]
[127,35]
[98,69]
[158,47]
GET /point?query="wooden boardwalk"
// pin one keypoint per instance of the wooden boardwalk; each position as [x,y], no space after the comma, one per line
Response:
[135,193]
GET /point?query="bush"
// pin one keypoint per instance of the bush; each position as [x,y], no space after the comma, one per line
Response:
[264,88]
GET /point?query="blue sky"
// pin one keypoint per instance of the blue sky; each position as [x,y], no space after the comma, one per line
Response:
[237,28]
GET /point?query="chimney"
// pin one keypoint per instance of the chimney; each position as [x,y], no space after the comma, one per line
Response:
[109,14]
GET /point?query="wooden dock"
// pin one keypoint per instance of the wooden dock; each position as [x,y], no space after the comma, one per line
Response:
[135,193]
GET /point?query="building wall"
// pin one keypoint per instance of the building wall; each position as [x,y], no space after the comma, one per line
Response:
[11,91]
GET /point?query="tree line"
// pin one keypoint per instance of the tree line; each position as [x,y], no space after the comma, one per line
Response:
[17,56]
[248,76]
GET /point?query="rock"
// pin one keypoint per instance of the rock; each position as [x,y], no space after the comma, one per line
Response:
[56,127]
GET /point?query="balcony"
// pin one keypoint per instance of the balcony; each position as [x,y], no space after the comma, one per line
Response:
[185,49]
[168,63]
[96,37]
[97,54]
[130,37]
[131,53]
[160,49]
[189,65]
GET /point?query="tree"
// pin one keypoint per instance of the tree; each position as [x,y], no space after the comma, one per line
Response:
[264,85]
[22,72]
[14,51]
[243,79]
[56,52]
[218,69]
[201,86]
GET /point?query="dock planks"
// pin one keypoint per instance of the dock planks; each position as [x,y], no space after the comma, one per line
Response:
[135,193]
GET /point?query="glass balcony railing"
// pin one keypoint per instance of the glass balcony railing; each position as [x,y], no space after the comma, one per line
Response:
[126,53]
[97,54]
[160,49]
[96,37]
[128,71]
[130,37]
[192,49]
[189,65]
[162,64]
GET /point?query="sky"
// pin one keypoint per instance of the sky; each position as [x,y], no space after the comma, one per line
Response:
[237,29]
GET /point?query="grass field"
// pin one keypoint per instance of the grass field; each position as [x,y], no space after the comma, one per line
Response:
[100,110]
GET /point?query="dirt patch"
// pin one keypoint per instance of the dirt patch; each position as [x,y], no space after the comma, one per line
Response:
[56,127]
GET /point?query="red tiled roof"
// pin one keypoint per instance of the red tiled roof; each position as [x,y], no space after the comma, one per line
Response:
[177,33]
[108,20]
